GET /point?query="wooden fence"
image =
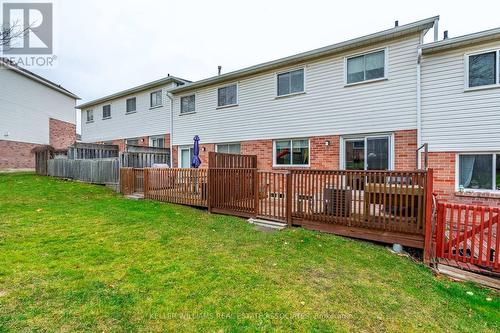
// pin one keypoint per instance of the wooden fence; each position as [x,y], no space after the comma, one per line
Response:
[80,150]
[98,171]
[468,234]
[143,159]
[231,161]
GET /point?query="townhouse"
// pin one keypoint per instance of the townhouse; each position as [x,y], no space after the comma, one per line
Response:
[367,103]
[138,116]
[33,112]
[461,115]
[351,105]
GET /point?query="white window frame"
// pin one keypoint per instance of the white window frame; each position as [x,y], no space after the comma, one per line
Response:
[276,90]
[497,70]
[365,137]
[151,106]
[226,144]
[180,104]
[494,172]
[179,156]
[228,105]
[386,66]
[91,112]
[291,165]
[126,105]
[109,117]
[156,137]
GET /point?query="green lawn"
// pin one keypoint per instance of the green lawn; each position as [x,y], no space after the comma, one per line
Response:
[76,257]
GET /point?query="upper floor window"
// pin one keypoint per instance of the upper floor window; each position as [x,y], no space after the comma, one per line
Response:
[293,152]
[90,115]
[483,69]
[106,111]
[479,171]
[291,82]
[132,141]
[131,104]
[187,104]
[229,148]
[156,99]
[227,95]
[366,67]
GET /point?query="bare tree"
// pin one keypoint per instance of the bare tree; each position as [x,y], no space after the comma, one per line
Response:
[8,33]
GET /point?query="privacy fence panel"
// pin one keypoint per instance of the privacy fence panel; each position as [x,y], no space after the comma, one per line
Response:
[101,171]
[233,191]
[143,160]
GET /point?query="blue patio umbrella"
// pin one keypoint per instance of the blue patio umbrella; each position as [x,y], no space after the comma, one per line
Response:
[196,162]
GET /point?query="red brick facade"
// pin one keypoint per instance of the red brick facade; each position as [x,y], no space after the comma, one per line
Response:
[16,155]
[324,152]
[61,134]
[444,166]
[143,141]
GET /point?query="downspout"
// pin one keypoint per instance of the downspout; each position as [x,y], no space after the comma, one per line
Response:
[419,102]
[171,97]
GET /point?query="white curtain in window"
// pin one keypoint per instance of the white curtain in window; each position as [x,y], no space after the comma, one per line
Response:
[466,169]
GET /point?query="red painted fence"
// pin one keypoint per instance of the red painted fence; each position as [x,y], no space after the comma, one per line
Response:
[468,234]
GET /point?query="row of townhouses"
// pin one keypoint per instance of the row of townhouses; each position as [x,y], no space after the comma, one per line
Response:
[367,103]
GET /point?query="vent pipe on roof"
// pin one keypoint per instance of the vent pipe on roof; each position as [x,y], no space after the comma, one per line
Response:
[219,70]
[396,23]
[445,34]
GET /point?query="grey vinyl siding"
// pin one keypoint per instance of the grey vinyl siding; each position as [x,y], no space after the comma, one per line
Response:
[326,107]
[453,118]
[144,121]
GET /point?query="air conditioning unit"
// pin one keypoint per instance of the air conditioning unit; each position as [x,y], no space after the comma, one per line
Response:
[337,201]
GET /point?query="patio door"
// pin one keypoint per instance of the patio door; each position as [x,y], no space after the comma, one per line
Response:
[185,157]
[368,153]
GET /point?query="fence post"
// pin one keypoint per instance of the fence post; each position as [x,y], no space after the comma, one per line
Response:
[289,197]
[146,183]
[428,216]
[256,191]
[209,188]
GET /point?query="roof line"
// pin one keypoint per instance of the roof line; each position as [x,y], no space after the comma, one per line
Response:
[463,40]
[132,90]
[316,53]
[35,77]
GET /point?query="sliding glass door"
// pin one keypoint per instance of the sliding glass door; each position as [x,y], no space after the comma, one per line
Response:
[367,153]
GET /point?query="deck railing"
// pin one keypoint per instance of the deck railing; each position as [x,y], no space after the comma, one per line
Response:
[468,234]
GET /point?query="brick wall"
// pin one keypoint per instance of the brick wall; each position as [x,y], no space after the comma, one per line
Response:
[61,134]
[444,165]
[16,155]
[322,156]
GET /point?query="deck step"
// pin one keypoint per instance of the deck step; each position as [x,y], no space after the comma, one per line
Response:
[268,224]
[135,196]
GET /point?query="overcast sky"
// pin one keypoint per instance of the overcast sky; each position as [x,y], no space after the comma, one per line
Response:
[104,46]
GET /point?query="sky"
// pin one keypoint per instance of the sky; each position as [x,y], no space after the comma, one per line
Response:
[104,46]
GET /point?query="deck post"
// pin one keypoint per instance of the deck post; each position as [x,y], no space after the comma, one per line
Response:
[428,217]
[146,183]
[210,175]
[256,191]
[289,197]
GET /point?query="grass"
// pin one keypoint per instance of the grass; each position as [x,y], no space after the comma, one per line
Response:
[77,257]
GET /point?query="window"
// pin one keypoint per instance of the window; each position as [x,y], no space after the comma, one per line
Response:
[156,99]
[227,96]
[157,141]
[131,104]
[90,116]
[229,148]
[106,111]
[479,172]
[187,104]
[368,153]
[483,69]
[185,157]
[366,67]
[132,141]
[291,82]
[291,152]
